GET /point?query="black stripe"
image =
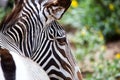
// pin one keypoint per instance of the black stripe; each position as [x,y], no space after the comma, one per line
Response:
[8,65]
[58,73]
[64,65]
[44,14]
[10,34]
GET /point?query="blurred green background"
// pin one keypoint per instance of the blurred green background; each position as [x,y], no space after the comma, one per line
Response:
[93,29]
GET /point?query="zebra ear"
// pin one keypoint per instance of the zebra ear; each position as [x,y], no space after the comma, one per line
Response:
[57,7]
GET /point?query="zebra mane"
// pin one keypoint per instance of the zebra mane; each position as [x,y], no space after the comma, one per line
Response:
[11,18]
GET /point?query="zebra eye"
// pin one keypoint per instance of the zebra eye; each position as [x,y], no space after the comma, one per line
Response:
[61,41]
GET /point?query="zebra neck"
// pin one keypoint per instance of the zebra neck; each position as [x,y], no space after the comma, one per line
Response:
[27,27]
[25,32]
[5,42]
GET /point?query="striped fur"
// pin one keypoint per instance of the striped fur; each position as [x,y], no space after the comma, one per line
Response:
[32,26]
[16,67]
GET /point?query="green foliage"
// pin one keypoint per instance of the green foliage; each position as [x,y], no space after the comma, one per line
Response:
[105,70]
[98,14]
[2,13]
[86,42]
[7,9]
[95,21]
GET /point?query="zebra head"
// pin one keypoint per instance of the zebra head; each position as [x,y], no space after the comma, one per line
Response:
[52,9]
[48,9]
[55,8]
[45,10]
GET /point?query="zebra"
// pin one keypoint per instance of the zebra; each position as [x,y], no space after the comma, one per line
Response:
[17,67]
[32,26]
